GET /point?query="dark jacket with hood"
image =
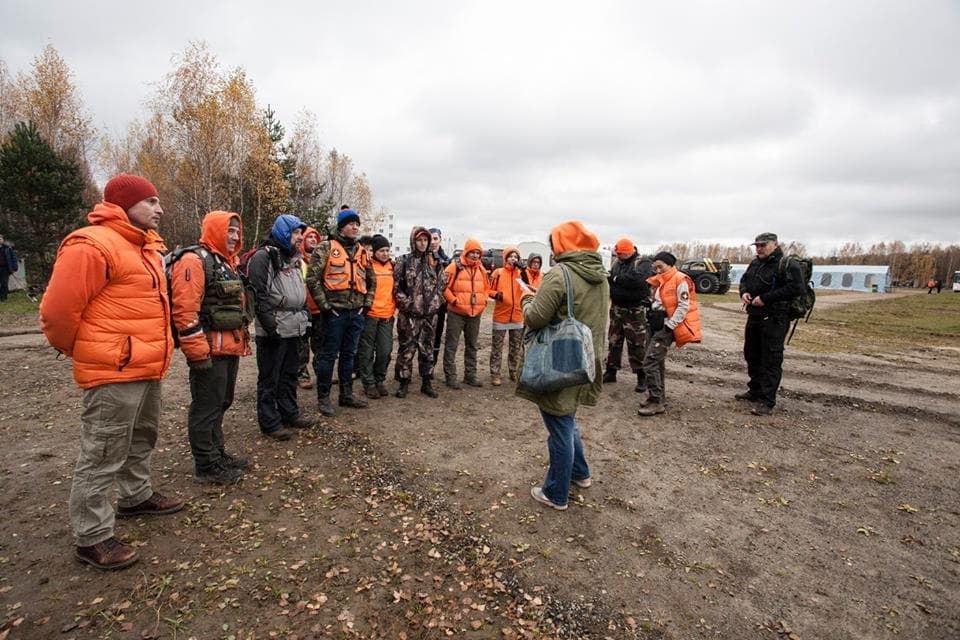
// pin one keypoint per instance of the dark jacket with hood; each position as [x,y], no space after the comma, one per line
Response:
[273,272]
[775,286]
[417,285]
[628,281]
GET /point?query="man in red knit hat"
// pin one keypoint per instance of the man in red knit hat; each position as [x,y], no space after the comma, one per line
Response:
[106,307]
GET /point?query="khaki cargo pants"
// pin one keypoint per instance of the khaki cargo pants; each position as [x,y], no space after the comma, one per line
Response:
[119,432]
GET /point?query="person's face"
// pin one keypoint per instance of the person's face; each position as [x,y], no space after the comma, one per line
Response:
[534,264]
[659,266]
[350,230]
[422,241]
[434,241]
[382,254]
[623,257]
[512,259]
[146,214]
[233,238]
[473,255]
[310,242]
[296,237]
[369,249]
[764,249]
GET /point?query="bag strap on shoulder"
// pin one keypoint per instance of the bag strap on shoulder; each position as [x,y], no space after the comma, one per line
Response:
[569,287]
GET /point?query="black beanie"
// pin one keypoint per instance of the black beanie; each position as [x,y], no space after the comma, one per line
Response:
[666,257]
[379,242]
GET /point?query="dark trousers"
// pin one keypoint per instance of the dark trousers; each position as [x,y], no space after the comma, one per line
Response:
[763,350]
[341,334]
[277,361]
[373,353]
[4,284]
[211,393]
[438,332]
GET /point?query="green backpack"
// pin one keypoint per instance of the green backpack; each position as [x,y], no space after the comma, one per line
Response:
[801,306]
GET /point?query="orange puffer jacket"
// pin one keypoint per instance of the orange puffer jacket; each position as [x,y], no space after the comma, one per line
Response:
[467,285]
[505,290]
[106,304]
[384,305]
[689,329]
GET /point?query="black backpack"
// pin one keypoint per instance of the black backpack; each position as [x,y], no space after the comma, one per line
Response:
[801,306]
[209,264]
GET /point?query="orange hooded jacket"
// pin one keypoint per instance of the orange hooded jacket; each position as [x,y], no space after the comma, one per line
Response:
[467,284]
[505,290]
[312,306]
[689,329]
[106,304]
[188,284]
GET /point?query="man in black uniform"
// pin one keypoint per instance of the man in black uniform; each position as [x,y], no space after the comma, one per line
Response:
[766,289]
[629,299]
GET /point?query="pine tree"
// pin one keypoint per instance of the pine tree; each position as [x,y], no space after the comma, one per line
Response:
[41,197]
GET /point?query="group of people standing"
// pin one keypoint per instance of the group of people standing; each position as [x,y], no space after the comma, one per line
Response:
[117,307]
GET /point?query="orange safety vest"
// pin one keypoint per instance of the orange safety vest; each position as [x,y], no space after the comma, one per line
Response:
[689,329]
[384,306]
[344,271]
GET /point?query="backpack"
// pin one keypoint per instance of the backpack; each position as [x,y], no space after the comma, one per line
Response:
[801,306]
[171,259]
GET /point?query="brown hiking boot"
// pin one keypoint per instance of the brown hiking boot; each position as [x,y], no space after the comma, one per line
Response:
[653,407]
[609,376]
[761,409]
[107,555]
[452,383]
[746,395]
[300,422]
[382,390]
[371,391]
[280,434]
[495,381]
[473,381]
[155,505]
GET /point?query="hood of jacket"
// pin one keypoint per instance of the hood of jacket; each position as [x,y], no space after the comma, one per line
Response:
[110,215]
[572,236]
[586,264]
[530,259]
[283,228]
[472,244]
[213,234]
[417,231]
[506,252]
[311,232]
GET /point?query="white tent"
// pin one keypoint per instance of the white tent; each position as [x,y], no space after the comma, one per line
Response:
[841,277]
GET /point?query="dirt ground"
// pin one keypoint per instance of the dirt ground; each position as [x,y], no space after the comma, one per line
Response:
[836,517]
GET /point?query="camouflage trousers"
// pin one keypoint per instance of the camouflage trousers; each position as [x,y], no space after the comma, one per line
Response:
[628,325]
[414,337]
[513,351]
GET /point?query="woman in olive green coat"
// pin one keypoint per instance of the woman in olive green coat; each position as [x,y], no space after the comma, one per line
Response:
[574,248]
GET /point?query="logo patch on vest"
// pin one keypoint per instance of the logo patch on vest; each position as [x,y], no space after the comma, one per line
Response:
[336,253]
[685,295]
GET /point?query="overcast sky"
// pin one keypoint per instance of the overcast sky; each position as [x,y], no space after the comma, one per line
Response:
[823,121]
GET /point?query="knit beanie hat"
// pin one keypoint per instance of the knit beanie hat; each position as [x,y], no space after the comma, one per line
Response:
[379,242]
[666,257]
[126,190]
[624,245]
[347,216]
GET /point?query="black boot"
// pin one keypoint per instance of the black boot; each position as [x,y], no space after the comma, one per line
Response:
[610,375]
[402,391]
[323,401]
[641,382]
[347,399]
[426,388]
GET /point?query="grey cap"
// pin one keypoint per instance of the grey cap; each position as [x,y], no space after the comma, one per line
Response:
[765,237]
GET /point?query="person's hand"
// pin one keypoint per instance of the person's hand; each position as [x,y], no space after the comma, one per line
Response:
[745,298]
[200,365]
[499,296]
[757,302]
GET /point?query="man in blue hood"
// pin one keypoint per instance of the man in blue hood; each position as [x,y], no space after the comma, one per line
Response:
[281,319]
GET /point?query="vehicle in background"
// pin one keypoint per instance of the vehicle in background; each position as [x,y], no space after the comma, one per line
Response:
[956,281]
[491,258]
[709,276]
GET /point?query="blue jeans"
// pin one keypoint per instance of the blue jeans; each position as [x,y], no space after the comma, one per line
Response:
[566,456]
[341,334]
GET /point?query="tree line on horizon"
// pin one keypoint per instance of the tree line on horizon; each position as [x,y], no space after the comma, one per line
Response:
[205,142]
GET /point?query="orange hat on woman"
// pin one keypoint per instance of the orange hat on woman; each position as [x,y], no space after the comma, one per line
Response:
[624,245]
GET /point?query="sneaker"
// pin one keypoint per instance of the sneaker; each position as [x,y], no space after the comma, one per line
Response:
[495,381]
[156,505]
[382,390]
[371,391]
[300,422]
[761,409]
[280,434]
[218,474]
[350,401]
[537,494]
[583,483]
[234,462]
[652,408]
[452,383]
[746,395]
[108,555]
[473,382]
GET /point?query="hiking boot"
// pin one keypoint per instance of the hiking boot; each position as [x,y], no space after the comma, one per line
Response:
[426,388]
[473,381]
[641,382]
[382,390]
[746,395]
[495,381]
[218,474]
[300,422]
[452,383]
[404,387]
[305,383]
[609,376]
[371,391]
[583,483]
[108,555]
[156,505]
[280,434]
[537,494]
[353,403]
[512,375]
[653,407]
[324,406]
[234,462]
[761,409]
